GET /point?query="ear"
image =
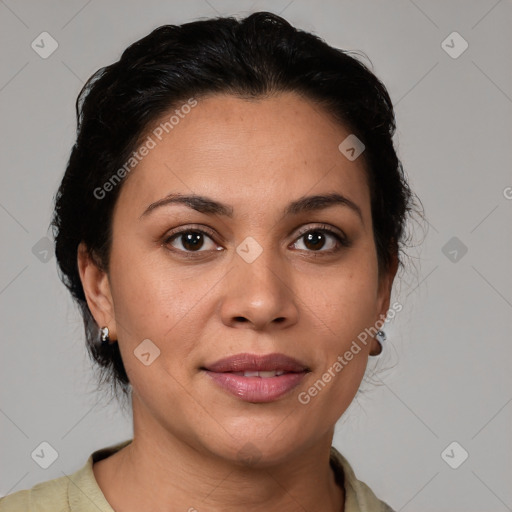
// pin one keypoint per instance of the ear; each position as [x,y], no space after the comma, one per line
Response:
[384,296]
[97,290]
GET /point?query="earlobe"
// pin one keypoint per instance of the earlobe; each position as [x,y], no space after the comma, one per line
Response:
[97,291]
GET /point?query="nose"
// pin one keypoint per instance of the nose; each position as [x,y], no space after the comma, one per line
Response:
[259,295]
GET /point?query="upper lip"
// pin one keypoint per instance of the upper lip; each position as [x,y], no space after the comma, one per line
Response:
[255,362]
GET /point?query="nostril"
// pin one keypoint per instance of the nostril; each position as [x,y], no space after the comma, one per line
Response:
[240,319]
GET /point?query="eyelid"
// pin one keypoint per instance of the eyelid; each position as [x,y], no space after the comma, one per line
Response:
[191,227]
[322,227]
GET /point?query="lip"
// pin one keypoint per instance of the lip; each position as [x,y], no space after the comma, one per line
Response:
[256,389]
[255,362]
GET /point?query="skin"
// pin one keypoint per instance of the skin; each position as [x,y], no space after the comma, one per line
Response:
[256,156]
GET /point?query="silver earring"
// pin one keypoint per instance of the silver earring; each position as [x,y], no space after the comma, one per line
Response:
[381,338]
[105,337]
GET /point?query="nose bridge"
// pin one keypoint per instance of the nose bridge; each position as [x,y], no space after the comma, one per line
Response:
[260,271]
[259,291]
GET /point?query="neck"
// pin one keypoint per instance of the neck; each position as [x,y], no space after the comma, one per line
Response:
[158,468]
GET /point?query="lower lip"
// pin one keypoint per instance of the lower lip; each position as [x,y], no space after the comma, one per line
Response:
[257,389]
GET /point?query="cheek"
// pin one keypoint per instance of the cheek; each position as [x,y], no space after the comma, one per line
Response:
[149,296]
[346,306]
[344,299]
[149,305]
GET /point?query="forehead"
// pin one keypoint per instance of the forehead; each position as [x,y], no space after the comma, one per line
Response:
[249,153]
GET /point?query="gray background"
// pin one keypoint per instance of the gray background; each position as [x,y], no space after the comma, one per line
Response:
[449,350]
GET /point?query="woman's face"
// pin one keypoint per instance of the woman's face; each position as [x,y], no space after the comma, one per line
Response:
[263,278]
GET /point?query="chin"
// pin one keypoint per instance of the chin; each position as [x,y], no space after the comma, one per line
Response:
[260,447]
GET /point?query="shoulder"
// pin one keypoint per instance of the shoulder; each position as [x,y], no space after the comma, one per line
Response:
[49,496]
[77,492]
[358,496]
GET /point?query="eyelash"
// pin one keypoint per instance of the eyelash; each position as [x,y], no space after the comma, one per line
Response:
[343,242]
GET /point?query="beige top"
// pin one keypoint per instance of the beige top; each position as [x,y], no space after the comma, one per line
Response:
[79,492]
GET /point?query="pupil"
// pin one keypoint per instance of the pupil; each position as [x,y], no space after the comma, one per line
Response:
[315,238]
[192,241]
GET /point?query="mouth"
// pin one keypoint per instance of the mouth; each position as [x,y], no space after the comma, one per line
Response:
[257,379]
[263,374]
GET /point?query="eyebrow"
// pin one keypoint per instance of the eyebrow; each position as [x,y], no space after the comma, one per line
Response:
[209,206]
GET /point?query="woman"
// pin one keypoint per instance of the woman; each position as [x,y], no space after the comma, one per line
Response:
[230,223]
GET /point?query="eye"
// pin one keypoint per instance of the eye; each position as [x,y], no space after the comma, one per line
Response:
[316,239]
[319,239]
[191,240]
